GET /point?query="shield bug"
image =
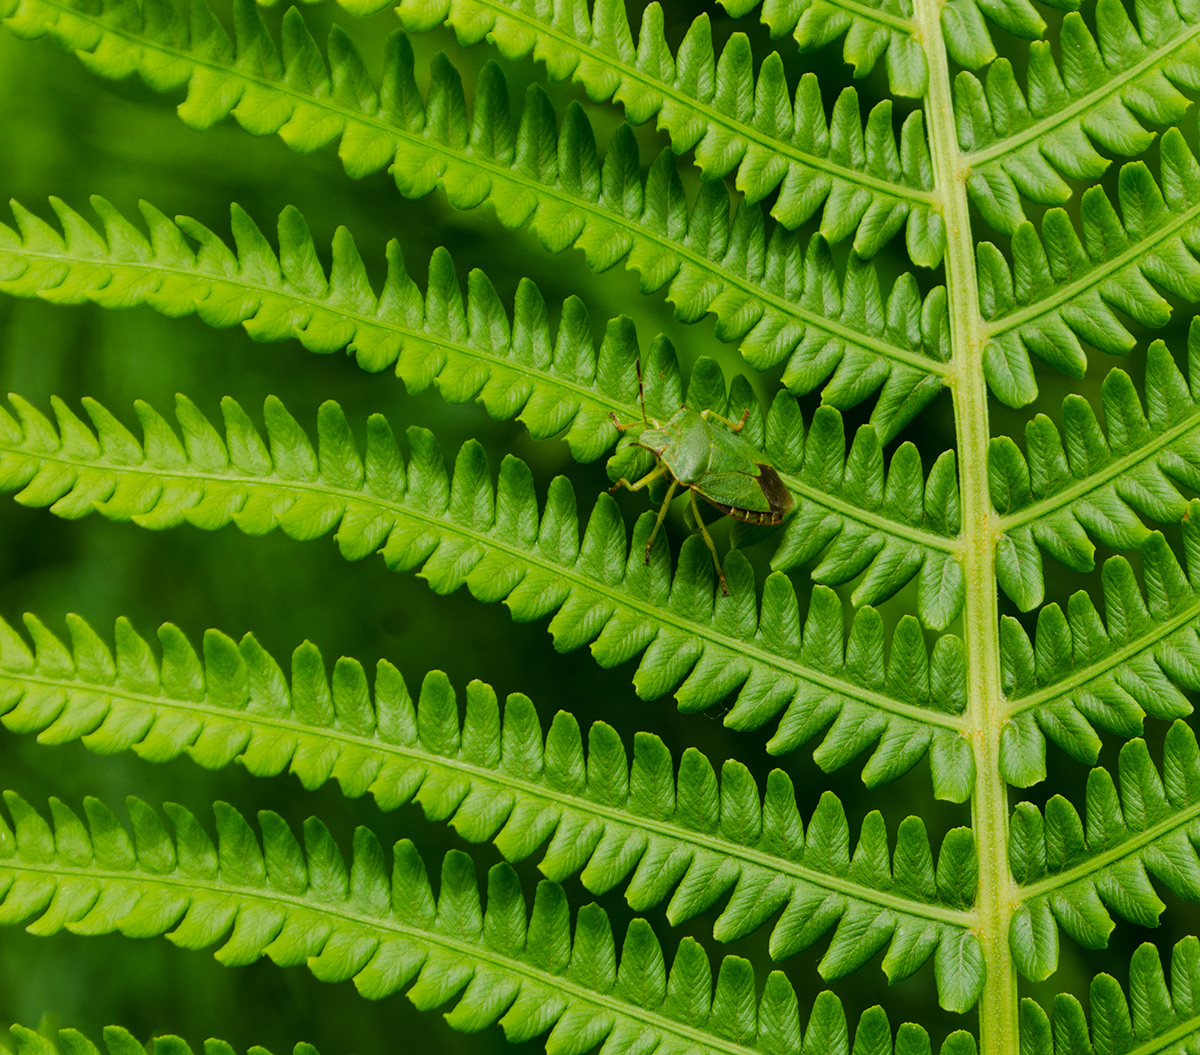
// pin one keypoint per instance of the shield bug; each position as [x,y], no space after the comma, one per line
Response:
[704,453]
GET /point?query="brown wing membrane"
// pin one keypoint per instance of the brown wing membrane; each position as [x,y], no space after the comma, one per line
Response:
[778,497]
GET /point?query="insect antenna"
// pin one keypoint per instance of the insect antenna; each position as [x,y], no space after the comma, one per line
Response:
[637,364]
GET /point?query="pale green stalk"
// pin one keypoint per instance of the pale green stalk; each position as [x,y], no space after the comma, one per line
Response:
[998,1031]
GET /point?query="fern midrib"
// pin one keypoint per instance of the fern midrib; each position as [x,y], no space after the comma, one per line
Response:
[1129,847]
[428,336]
[626,600]
[710,114]
[1073,109]
[468,951]
[625,411]
[1162,1043]
[917,536]
[1064,293]
[1117,658]
[526,789]
[758,293]
[998,1002]
[1094,481]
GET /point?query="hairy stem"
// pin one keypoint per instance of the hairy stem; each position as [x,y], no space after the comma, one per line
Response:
[998,1033]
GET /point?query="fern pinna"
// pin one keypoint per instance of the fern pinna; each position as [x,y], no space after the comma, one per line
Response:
[990,581]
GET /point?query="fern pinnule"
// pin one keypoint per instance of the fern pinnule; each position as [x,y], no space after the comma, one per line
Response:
[462,529]
[1069,290]
[665,833]
[899,528]
[1076,877]
[1027,143]
[736,123]
[1089,672]
[386,930]
[1088,481]
[783,302]
[1152,1019]
[514,363]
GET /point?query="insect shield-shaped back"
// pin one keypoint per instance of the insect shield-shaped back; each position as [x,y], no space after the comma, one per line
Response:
[765,502]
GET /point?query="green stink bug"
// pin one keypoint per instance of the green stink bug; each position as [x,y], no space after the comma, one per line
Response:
[704,453]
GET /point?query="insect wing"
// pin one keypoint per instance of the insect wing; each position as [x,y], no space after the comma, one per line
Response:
[734,493]
[780,498]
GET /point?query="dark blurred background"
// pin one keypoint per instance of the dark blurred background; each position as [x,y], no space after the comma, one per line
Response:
[66,133]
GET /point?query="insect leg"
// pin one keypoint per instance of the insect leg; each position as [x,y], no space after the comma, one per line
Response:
[708,540]
[649,478]
[641,402]
[662,514]
[734,426]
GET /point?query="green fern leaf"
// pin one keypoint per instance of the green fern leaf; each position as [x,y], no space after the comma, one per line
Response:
[1074,875]
[1086,672]
[516,366]
[463,530]
[1027,144]
[1154,1019]
[864,184]
[818,300]
[1090,482]
[385,929]
[1067,291]
[784,303]
[470,349]
[682,836]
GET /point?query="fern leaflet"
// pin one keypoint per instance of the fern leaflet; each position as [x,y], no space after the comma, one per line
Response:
[683,836]
[895,530]
[784,303]
[385,929]
[864,185]
[465,530]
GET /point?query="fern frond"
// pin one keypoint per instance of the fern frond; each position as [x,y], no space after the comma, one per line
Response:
[1072,877]
[873,29]
[1028,143]
[680,836]
[465,530]
[470,348]
[385,929]
[1096,482]
[877,27]
[119,1041]
[1069,290]
[911,535]
[864,184]
[1163,1022]
[1086,671]
[786,305]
